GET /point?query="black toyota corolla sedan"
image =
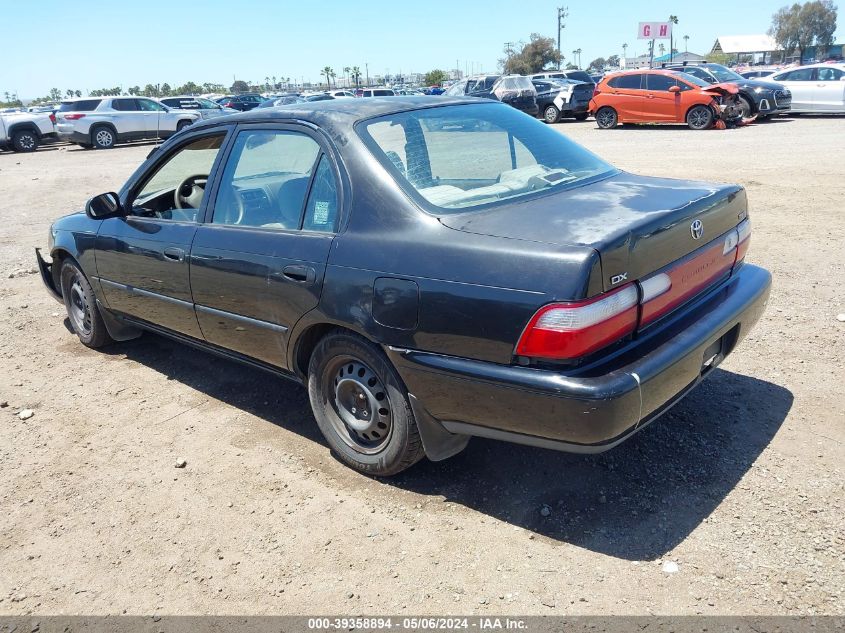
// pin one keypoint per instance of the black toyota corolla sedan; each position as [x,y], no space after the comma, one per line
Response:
[431,268]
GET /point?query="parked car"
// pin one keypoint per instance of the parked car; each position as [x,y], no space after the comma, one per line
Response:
[763,98]
[498,280]
[25,131]
[241,103]
[434,90]
[102,122]
[341,94]
[576,75]
[562,98]
[206,108]
[515,90]
[375,92]
[815,88]
[757,74]
[663,96]
[318,97]
[280,101]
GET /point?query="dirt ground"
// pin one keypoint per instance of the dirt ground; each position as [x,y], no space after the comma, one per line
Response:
[741,485]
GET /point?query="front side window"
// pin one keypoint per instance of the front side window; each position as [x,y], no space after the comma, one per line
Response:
[462,157]
[266,180]
[802,74]
[657,82]
[149,106]
[177,188]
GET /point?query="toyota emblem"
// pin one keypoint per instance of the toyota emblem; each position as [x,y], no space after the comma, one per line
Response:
[696,229]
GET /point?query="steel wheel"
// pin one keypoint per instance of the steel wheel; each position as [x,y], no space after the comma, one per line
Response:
[80,311]
[360,402]
[551,114]
[700,118]
[606,118]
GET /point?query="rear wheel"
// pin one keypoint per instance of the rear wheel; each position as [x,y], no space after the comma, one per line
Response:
[551,114]
[581,116]
[182,125]
[361,406]
[24,141]
[606,118]
[700,118]
[81,306]
[102,137]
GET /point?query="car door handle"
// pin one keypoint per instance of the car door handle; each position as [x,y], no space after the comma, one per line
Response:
[300,274]
[174,254]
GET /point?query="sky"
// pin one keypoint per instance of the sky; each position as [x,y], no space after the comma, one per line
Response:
[106,43]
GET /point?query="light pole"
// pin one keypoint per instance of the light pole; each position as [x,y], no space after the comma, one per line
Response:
[625,55]
[562,13]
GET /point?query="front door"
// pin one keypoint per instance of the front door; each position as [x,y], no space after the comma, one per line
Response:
[661,104]
[257,264]
[829,91]
[156,119]
[142,258]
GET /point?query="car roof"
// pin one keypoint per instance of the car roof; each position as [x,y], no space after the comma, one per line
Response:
[344,112]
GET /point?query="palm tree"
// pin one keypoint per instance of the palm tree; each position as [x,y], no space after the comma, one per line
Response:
[673,19]
[662,48]
[686,43]
[328,72]
[346,70]
[356,74]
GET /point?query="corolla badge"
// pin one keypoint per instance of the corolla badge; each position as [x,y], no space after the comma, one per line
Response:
[696,229]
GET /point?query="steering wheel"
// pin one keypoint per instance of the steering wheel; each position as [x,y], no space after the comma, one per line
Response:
[188,193]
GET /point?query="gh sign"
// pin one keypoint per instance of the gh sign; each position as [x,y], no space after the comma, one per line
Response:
[654,31]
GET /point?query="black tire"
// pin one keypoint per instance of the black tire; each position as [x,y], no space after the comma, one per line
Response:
[182,125]
[24,141]
[81,306]
[745,107]
[700,117]
[103,137]
[581,116]
[346,370]
[551,114]
[606,118]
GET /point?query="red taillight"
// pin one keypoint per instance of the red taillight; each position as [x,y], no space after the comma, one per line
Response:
[569,330]
[52,118]
[596,91]
[668,289]
[73,117]
[229,104]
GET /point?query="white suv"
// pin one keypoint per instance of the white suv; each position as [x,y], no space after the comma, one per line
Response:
[24,131]
[101,122]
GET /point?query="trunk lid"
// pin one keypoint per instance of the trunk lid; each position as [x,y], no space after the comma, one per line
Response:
[637,224]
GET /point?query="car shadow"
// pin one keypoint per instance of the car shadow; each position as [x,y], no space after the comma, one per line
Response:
[636,501]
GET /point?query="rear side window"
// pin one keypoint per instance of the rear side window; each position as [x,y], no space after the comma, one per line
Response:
[627,82]
[830,74]
[124,105]
[321,208]
[86,105]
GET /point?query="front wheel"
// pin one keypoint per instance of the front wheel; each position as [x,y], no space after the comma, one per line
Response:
[745,107]
[361,406]
[24,141]
[606,118]
[551,114]
[700,118]
[182,125]
[81,306]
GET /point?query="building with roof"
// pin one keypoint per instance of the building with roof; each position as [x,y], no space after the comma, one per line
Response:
[759,48]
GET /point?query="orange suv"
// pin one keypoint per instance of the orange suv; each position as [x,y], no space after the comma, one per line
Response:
[663,96]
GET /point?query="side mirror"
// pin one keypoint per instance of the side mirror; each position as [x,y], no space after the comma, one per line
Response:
[675,89]
[103,206]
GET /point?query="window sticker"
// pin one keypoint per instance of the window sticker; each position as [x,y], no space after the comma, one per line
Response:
[321,212]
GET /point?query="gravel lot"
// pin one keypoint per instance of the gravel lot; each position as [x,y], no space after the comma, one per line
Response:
[730,504]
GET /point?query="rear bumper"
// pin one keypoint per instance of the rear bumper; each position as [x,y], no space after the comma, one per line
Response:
[72,136]
[595,410]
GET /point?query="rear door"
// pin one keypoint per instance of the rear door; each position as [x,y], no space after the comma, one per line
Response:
[627,96]
[156,118]
[258,262]
[142,258]
[129,121]
[829,91]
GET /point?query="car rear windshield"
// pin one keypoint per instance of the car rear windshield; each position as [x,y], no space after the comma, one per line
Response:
[580,75]
[456,158]
[87,105]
